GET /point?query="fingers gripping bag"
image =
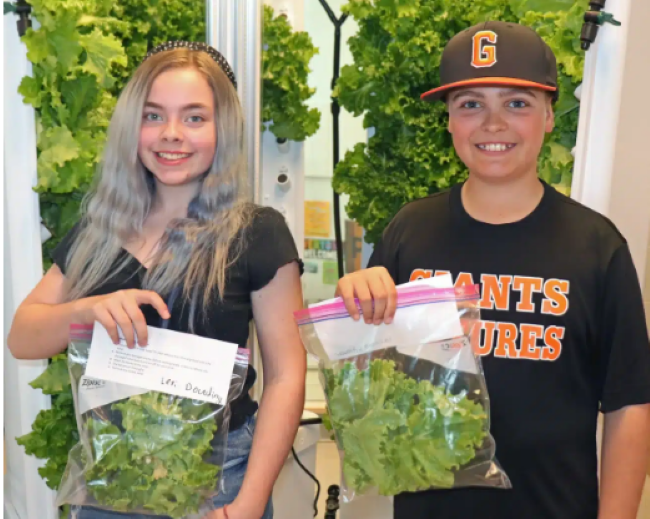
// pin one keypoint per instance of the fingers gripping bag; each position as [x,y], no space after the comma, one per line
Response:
[143,451]
[407,402]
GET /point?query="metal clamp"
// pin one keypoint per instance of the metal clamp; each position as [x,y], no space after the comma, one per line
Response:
[594,18]
[23,10]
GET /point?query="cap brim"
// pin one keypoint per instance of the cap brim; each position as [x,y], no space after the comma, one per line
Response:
[438,93]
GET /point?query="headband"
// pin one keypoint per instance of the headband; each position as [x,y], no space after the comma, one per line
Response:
[196,46]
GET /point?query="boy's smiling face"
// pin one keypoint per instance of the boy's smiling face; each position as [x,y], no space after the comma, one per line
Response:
[498,132]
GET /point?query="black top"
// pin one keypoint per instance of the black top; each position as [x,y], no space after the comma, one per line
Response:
[269,246]
[563,336]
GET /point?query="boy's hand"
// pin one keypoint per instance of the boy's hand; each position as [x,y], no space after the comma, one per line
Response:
[370,286]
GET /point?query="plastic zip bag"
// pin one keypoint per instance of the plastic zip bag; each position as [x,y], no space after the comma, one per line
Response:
[407,402]
[142,451]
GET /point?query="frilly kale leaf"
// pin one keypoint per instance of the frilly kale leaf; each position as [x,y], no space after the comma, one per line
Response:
[54,431]
[398,434]
[285,68]
[154,459]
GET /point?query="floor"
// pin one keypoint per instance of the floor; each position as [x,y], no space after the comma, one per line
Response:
[644,511]
[327,472]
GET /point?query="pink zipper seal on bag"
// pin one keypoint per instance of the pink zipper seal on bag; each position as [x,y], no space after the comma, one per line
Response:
[405,297]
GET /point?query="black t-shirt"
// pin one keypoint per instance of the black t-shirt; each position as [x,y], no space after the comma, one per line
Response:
[563,336]
[269,246]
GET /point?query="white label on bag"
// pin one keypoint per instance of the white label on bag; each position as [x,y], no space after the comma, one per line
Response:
[343,337]
[173,362]
[95,393]
[456,354]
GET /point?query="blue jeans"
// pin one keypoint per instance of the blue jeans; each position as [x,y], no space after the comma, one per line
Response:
[239,446]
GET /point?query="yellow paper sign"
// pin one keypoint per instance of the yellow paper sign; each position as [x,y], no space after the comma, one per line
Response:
[317,219]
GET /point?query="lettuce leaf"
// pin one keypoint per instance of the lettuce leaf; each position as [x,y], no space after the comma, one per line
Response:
[285,68]
[54,432]
[153,459]
[55,379]
[398,434]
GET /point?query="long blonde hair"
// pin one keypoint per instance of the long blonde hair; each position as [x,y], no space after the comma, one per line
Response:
[197,249]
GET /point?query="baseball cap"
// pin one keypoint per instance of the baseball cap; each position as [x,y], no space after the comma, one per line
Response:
[496,54]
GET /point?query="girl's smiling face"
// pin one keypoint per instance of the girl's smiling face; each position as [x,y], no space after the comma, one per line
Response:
[178,137]
[498,132]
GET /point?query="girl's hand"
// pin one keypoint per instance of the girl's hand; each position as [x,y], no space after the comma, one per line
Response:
[372,287]
[122,309]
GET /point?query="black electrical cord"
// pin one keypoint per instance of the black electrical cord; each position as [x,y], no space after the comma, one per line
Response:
[309,421]
[338,22]
[295,456]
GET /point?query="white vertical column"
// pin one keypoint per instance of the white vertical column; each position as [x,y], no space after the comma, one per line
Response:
[234,27]
[612,164]
[599,109]
[288,158]
[26,495]
[221,27]
[249,67]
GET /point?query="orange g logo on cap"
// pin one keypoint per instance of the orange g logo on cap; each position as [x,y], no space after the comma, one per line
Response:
[484,54]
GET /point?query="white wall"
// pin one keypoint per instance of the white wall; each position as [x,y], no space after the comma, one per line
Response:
[630,201]
[613,167]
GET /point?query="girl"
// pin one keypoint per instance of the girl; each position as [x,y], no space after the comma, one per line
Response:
[166,234]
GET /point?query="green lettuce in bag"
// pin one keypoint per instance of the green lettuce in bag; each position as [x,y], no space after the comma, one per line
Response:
[407,402]
[142,451]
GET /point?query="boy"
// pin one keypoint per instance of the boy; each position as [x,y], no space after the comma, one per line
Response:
[563,333]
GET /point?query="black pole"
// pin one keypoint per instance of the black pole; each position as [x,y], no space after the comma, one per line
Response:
[336,109]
